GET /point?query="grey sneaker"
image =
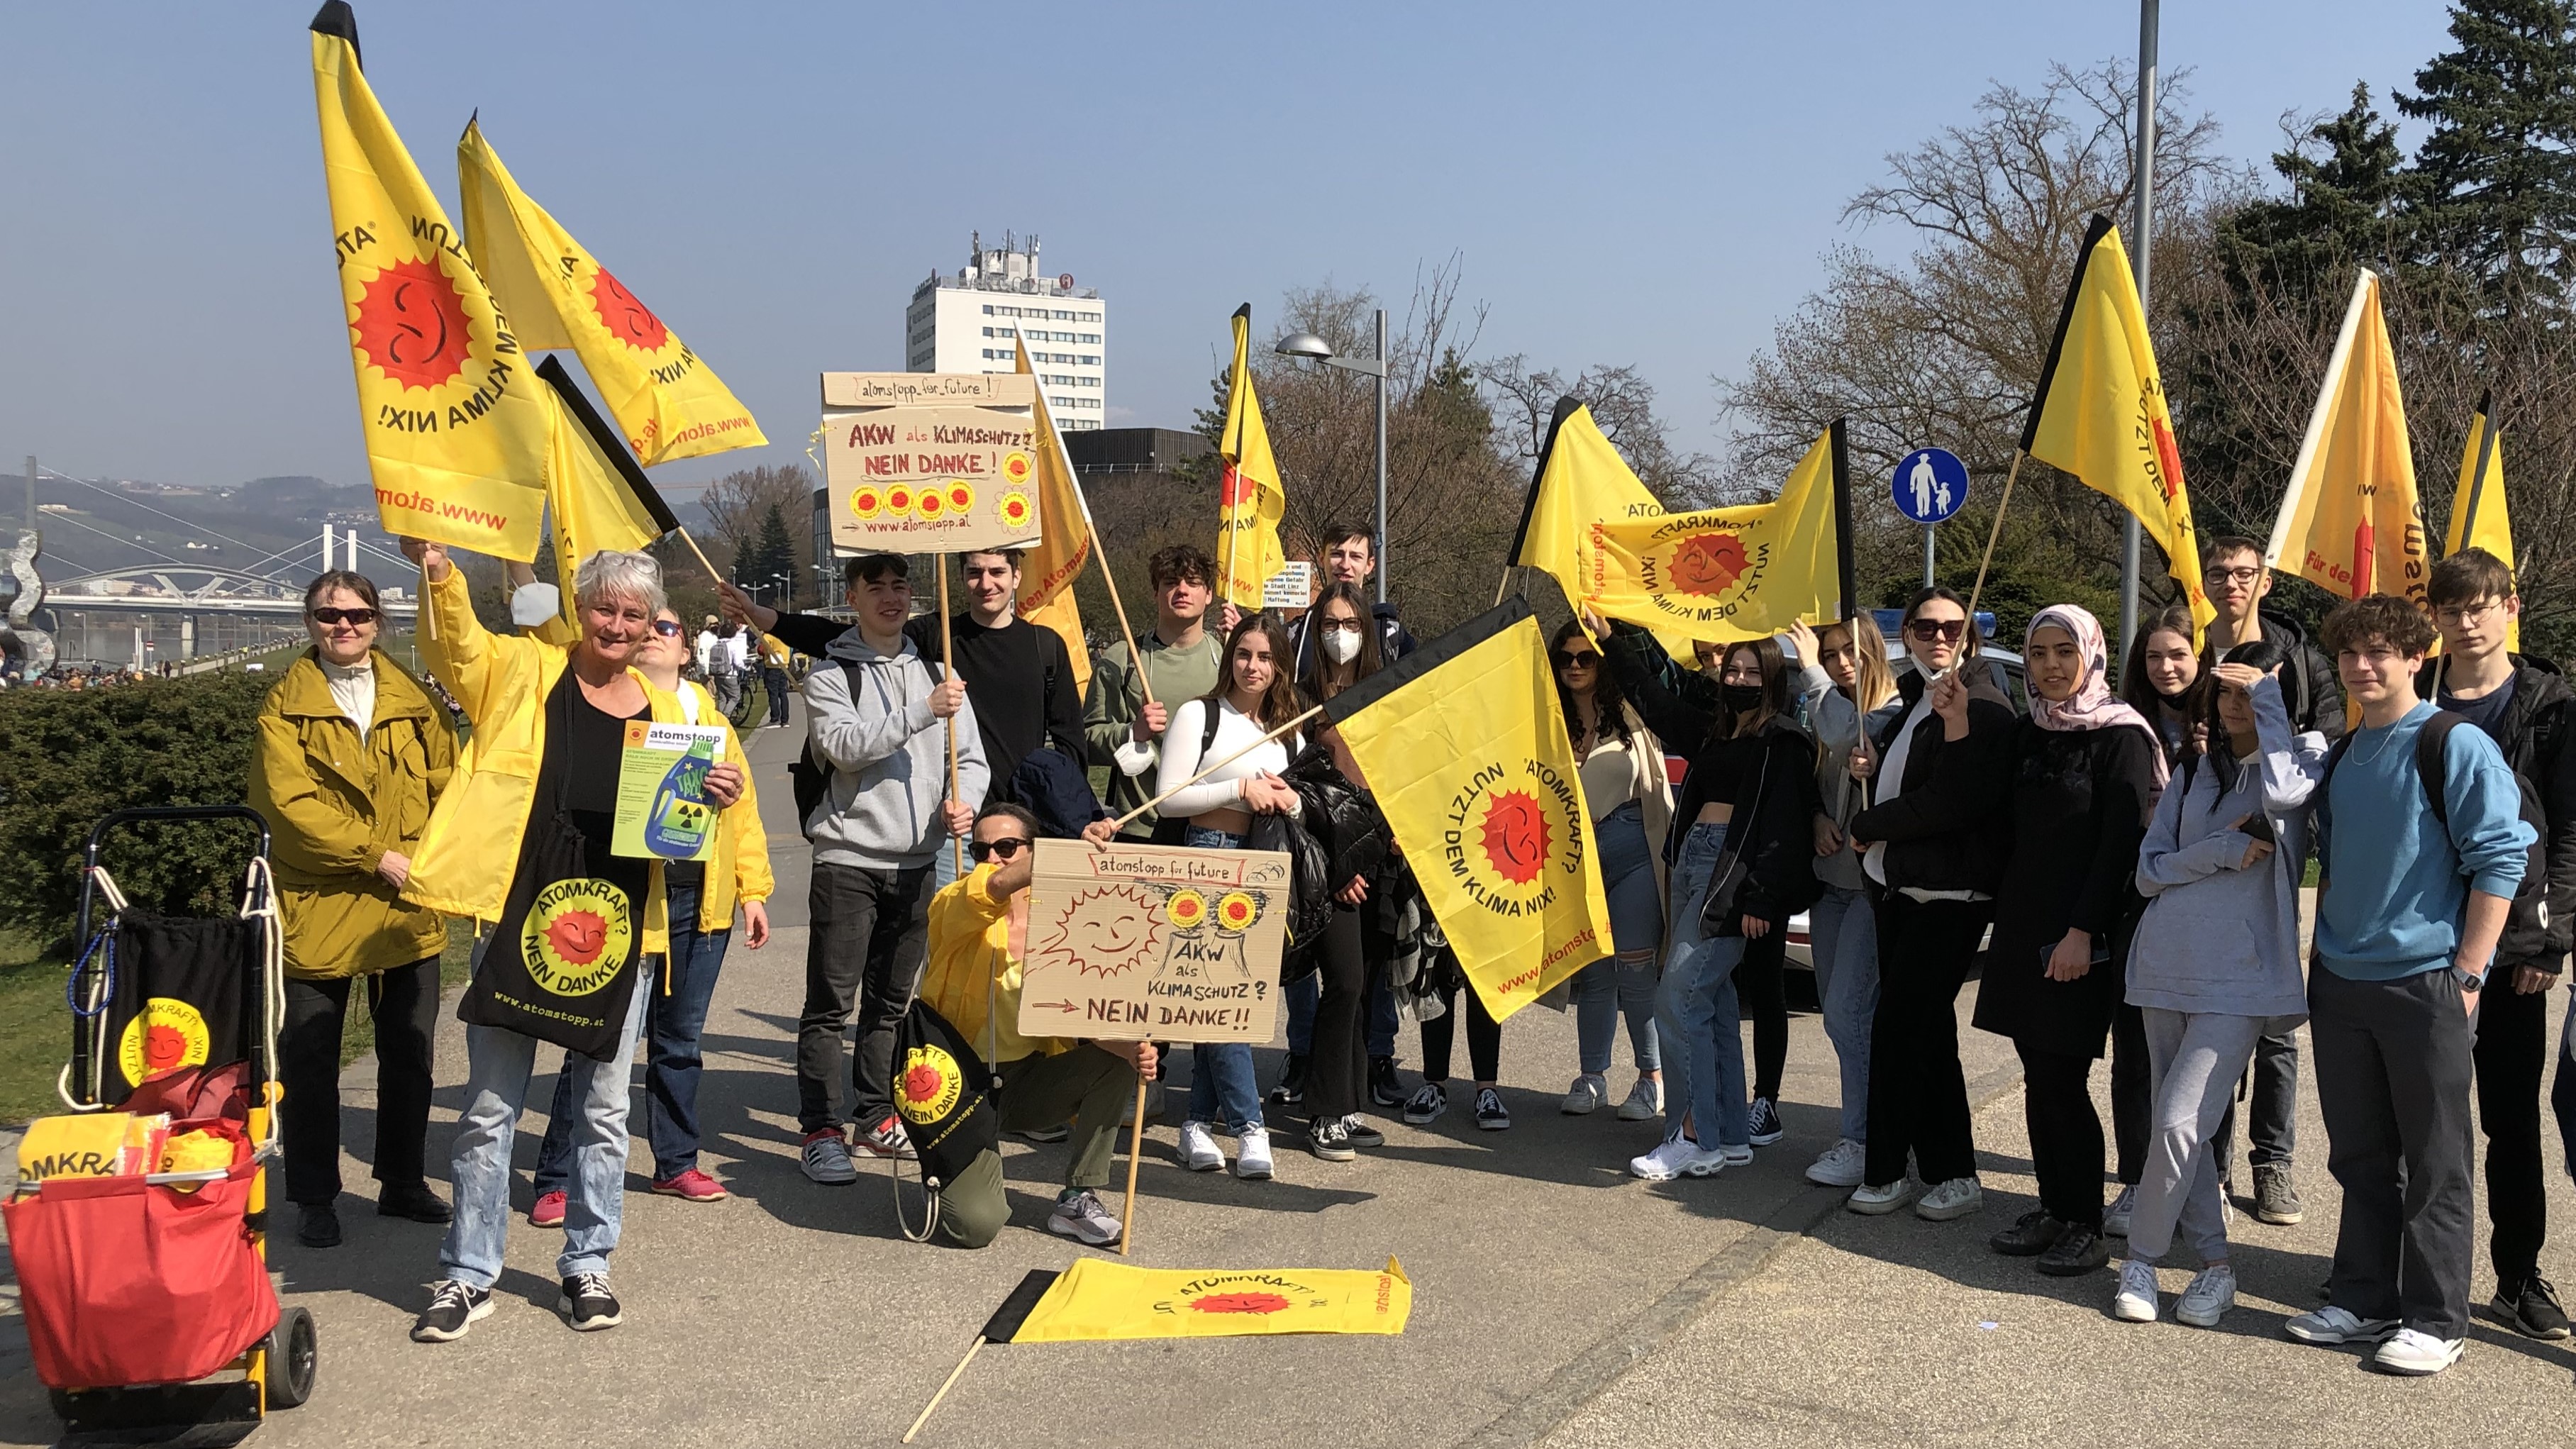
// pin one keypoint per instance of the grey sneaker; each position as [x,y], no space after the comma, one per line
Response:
[2211,1294]
[1956,1198]
[1082,1218]
[1645,1101]
[1587,1094]
[2115,1218]
[2330,1326]
[826,1159]
[2276,1196]
[1057,1133]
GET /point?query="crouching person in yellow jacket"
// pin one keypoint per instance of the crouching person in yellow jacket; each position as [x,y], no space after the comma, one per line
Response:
[979,933]
[522,840]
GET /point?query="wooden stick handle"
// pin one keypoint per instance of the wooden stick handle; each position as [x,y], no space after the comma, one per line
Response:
[702,560]
[971,1350]
[948,671]
[1135,1155]
[428,614]
[1992,534]
[1121,822]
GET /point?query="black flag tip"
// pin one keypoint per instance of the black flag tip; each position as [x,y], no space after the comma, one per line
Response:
[1566,407]
[1005,1323]
[336,18]
[1244,311]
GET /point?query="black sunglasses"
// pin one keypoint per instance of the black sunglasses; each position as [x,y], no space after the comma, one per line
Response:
[1928,630]
[1006,847]
[354,616]
[1587,659]
[666,628]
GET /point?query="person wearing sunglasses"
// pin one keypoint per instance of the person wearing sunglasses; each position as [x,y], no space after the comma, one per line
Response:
[1934,878]
[352,756]
[979,938]
[702,896]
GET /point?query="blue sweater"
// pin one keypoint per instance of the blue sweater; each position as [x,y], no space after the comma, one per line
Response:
[2396,884]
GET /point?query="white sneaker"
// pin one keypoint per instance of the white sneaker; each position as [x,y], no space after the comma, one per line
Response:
[1252,1153]
[1586,1095]
[1843,1165]
[1198,1148]
[2211,1294]
[2330,1326]
[1645,1101]
[2115,1218]
[2417,1354]
[1738,1154]
[1876,1198]
[1956,1198]
[1677,1157]
[2135,1302]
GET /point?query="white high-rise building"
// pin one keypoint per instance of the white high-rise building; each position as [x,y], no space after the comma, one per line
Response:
[966,323]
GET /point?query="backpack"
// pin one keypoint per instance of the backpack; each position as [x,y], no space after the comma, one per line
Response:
[2526,927]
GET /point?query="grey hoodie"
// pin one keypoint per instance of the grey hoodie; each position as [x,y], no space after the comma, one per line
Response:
[2217,939]
[887,755]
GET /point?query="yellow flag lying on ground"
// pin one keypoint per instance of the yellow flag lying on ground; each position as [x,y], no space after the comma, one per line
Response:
[2100,410]
[1581,481]
[1048,571]
[454,417]
[667,401]
[2479,518]
[1463,744]
[1251,500]
[1096,1299]
[2351,522]
[596,496]
[1727,573]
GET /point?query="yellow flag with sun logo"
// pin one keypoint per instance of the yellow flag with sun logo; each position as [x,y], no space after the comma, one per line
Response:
[1726,573]
[1463,745]
[1250,498]
[667,401]
[1096,1300]
[455,419]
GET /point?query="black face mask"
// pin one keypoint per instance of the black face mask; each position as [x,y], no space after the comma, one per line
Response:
[1742,698]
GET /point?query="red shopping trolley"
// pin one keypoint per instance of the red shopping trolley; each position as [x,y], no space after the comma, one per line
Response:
[147,1297]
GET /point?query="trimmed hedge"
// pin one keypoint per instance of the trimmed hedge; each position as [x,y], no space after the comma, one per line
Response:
[69,758]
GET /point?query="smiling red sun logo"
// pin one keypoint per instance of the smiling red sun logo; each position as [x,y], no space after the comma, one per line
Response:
[626,318]
[411,325]
[163,1047]
[1237,490]
[1709,563]
[1240,1303]
[578,936]
[922,1083]
[1516,836]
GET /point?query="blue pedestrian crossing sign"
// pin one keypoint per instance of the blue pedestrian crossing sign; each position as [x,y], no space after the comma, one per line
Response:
[1931,484]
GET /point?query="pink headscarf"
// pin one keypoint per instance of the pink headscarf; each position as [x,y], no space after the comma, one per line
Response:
[2093,706]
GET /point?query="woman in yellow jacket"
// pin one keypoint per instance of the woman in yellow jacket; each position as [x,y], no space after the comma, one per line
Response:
[702,895]
[352,754]
[524,840]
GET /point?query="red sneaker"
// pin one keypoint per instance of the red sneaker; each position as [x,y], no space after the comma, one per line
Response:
[692,1186]
[548,1212]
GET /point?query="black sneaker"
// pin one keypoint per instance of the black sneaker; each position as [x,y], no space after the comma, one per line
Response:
[2077,1251]
[587,1304]
[2530,1308]
[2031,1234]
[415,1202]
[2276,1197]
[1766,1123]
[1386,1089]
[1427,1103]
[1292,1083]
[319,1227]
[1490,1113]
[453,1307]
[1362,1134]
[1330,1140]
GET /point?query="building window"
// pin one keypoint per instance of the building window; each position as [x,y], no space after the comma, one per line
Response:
[1087,359]
[988,309]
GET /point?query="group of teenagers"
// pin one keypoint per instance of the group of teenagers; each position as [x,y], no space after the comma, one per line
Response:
[2124,867]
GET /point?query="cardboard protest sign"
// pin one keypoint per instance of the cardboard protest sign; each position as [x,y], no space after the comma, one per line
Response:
[924,389]
[931,477]
[662,809]
[1152,941]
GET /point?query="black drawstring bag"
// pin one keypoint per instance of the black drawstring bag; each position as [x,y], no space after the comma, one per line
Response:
[565,962]
[182,997]
[944,1093]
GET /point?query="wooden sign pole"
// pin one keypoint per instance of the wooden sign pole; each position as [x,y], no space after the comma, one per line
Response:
[1122,821]
[1135,1155]
[948,671]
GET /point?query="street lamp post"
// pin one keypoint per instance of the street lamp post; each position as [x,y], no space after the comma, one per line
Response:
[1312,347]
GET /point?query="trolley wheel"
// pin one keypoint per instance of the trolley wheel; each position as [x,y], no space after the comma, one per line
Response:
[293,1359]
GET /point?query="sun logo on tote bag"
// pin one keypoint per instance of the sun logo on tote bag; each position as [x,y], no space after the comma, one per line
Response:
[164,1036]
[577,937]
[929,1084]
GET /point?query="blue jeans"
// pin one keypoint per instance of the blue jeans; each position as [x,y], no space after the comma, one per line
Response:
[675,1012]
[1221,1078]
[1308,989]
[1696,1011]
[1609,987]
[774,681]
[1842,934]
[498,1065]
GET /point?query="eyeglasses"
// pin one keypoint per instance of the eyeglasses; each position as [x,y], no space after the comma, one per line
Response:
[2217,575]
[360,617]
[1928,630]
[2470,615]
[1005,848]
[666,628]
[1585,660]
[1341,626]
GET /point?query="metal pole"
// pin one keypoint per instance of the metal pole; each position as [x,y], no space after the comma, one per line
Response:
[31,490]
[1928,562]
[1383,562]
[2142,250]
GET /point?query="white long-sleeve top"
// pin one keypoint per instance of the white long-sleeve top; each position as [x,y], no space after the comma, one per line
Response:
[1181,758]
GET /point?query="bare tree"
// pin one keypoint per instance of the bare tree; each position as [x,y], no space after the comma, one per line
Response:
[736,503]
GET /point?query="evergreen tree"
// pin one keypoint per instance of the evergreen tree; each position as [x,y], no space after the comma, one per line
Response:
[772,553]
[2345,185]
[2495,180]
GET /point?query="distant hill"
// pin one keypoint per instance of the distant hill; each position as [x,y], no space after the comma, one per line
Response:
[265,526]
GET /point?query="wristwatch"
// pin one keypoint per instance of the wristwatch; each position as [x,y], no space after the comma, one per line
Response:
[2471,982]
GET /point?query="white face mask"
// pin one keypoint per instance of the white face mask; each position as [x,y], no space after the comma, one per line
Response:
[1342,645]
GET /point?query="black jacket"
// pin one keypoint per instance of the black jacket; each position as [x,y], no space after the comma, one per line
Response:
[1774,836]
[1930,846]
[2310,688]
[2541,747]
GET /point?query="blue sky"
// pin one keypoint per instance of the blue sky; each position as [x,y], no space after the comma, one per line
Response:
[1626,183]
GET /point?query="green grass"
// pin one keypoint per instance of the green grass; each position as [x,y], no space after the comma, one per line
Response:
[35,1024]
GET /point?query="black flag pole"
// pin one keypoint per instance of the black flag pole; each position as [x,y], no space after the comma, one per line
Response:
[577,406]
[1566,407]
[1844,573]
[2486,460]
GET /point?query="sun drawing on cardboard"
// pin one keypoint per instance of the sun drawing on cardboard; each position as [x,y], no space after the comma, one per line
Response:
[1106,932]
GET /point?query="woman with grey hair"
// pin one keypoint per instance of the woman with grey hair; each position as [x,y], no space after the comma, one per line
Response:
[522,838]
